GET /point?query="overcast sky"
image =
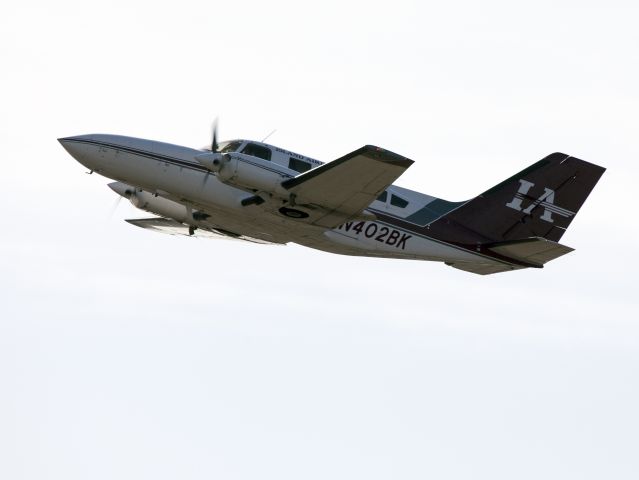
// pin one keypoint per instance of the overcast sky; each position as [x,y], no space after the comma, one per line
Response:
[129,354]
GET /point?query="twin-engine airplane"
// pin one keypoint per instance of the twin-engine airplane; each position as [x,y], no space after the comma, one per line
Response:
[260,193]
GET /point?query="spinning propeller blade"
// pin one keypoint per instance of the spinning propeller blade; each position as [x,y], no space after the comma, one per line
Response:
[114,207]
[214,146]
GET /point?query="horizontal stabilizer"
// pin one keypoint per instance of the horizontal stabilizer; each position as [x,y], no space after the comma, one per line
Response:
[534,250]
[482,268]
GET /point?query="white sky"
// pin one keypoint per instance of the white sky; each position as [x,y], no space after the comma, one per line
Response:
[127,354]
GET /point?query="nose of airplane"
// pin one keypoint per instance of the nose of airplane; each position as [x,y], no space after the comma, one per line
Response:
[71,145]
[81,148]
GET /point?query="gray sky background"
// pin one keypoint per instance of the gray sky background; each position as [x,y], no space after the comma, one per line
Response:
[127,354]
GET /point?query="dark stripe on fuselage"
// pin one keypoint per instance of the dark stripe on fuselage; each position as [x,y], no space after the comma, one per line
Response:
[165,158]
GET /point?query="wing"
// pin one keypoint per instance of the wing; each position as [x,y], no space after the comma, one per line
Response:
[172,227]
[340,190]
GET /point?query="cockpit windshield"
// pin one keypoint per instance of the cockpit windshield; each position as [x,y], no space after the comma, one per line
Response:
[226,147]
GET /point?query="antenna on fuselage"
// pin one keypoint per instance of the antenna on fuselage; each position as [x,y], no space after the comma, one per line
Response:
[264,139]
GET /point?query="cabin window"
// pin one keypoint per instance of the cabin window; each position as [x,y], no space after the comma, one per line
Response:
[383,197]
[257,151]
[298,165]
[231,147]
[398,202]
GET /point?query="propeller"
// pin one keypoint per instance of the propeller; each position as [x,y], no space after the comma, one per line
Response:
[114,207]
[123,191]
[214,148]
[214,145]
[206,177]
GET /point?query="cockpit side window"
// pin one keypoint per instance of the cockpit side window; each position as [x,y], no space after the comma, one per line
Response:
[298,165]
[257,151]
[383,197]
[231,146]
[398,202]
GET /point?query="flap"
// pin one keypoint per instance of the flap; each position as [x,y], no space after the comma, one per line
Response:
[172,227]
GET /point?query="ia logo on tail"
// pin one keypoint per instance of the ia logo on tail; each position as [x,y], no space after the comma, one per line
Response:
[546,200]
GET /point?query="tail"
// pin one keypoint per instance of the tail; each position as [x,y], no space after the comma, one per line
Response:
[539,201]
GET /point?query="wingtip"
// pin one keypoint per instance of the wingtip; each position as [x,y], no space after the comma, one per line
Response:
[386,156]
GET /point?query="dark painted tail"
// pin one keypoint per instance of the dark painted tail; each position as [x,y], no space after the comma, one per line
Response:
[539,201]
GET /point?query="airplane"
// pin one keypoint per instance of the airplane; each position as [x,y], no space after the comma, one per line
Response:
[260,193]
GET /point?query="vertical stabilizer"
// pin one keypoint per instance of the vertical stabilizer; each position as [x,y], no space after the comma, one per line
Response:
[540,201]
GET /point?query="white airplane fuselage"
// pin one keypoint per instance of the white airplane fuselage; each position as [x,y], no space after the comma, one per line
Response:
[173,184]
[264,194]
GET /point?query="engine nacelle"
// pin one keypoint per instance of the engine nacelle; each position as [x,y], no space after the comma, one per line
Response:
[251,173]
[160,206]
